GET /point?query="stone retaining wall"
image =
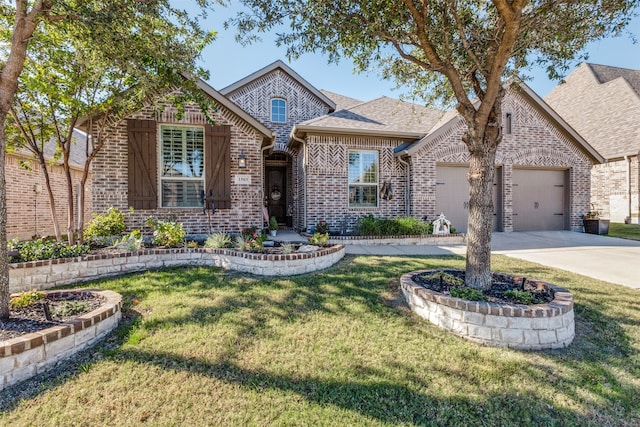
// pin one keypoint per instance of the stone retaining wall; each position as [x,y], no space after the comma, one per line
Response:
[534,327]
[46,274]
[431,239]
[30,354]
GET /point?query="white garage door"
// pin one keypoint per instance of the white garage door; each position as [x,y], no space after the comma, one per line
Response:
[538,199]
[452,196]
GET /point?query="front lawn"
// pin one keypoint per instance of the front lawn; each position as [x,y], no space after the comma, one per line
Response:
[204,346]
[624,231]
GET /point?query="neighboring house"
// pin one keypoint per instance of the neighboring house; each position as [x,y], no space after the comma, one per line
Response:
[28,207]
[602,103]
[314,155]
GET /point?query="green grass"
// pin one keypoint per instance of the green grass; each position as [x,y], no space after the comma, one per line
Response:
[624,231]
[209,347]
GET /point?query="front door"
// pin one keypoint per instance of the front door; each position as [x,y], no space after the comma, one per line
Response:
[276,192]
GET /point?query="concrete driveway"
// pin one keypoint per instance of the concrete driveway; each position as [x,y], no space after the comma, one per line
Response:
[604,258]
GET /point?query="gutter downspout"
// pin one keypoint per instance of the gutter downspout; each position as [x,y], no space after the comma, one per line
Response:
[262,150]
[407,186]
[304,174]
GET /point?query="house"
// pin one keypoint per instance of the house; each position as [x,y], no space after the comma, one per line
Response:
[308,155]
[602,103]
[28,206]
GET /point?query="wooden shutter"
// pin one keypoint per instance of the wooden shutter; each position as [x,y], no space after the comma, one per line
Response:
[143,166]
[217,153]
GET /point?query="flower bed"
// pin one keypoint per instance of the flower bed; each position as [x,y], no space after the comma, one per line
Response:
[30,354]
[46,274]
[534,327]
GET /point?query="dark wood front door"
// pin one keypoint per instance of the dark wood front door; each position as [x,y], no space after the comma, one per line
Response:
[276,192]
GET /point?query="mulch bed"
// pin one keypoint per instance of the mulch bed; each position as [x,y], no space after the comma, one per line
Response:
[444,280]
[32,318]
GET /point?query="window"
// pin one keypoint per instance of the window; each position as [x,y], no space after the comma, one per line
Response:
[278,110]
[507,124]
[182,176]
[363,179]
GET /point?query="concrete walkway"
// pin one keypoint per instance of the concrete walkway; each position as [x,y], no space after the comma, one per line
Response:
[604,258]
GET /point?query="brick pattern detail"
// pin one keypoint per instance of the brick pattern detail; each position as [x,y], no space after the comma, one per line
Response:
[537,327]
[255,98]
[110,175]
[615,190]
[29,214]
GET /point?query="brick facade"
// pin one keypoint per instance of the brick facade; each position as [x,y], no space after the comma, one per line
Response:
[28,213]
[110,175]
[615,190]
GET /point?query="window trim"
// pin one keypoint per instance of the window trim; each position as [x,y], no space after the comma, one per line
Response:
[161,178]
[285,110]
[376,184]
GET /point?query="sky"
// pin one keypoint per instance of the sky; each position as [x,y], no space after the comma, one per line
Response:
[229,61]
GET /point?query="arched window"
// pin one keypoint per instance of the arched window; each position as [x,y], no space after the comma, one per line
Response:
[278,110]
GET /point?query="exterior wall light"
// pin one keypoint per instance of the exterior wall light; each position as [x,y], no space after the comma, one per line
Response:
[242,160]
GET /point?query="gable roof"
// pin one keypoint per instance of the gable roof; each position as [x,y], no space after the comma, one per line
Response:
[285,68]
[603,104]
[77,154]
[452,117]
[341,101]
[385,117]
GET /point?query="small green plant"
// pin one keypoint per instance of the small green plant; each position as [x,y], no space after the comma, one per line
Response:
[322,227]
[104,229]
[131,242]
[273,224]
[218,240]
[251,244]
[26,299]
[70,308]
[319,239]
[467,293]
[34,250]
[523,297]
[170,234]
[286,248]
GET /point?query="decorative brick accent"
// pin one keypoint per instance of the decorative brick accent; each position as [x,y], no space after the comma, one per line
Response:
[28,355]
[535,327]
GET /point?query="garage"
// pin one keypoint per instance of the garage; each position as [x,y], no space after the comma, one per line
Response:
[452,195]
[540,199]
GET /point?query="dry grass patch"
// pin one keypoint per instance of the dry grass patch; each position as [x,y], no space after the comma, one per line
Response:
[209,347]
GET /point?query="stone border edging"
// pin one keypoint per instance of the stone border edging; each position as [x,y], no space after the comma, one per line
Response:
[30,354]
[534,327]
[428,239]
[46,274]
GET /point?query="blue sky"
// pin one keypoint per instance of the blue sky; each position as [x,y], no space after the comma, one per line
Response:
[228,61]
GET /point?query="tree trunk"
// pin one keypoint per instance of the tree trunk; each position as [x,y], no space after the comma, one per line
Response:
[83,183]
[481,173]
[4,259]
[52,199]
[70,215]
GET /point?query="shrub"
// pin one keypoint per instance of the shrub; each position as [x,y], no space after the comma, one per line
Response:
[252,244]
[467,293]
[169,234]
[192,244]
[322,227]
[132,242]
[104,228]
[26,299]
[273,224]
[70,308]
[319,239]
[402,226]
[522,297]
[218,240]
[287,248]
[34,250]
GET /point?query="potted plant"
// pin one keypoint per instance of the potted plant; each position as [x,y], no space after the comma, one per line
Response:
[593,224]
[273,226]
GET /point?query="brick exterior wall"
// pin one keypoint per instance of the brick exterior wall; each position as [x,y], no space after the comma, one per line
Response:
[28,213]
[110,175]
[534,142]
[615,190]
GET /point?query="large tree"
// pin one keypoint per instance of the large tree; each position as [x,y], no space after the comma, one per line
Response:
[458,51]
[22,22]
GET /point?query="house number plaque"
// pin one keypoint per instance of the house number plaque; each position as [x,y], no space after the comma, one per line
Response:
[242,179]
